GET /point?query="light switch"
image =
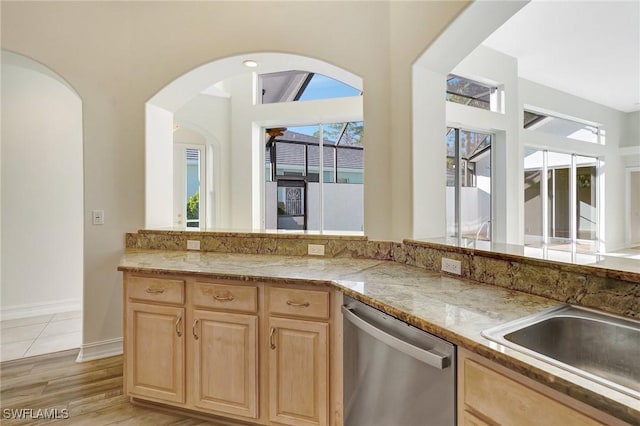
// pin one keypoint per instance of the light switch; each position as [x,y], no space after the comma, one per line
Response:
[98,217]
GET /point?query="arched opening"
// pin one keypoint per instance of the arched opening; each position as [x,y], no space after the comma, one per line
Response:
[221,102]
[42,210]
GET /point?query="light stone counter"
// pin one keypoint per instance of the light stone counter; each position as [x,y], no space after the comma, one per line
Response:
[452,308]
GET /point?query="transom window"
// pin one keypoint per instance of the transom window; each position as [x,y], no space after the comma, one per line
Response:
[293,86]
[563,127]
[472,93]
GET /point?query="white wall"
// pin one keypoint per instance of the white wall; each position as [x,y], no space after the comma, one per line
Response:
[159,168]
[42,199]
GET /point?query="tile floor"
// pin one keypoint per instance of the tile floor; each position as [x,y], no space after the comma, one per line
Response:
[24,337]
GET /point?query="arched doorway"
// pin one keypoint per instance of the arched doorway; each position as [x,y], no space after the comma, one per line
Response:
[42,210]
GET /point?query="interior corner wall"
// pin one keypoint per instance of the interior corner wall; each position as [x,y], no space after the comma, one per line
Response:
[42,199]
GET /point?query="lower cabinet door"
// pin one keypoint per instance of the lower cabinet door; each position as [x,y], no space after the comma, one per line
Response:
[226,362]
[298,372]
[155,352]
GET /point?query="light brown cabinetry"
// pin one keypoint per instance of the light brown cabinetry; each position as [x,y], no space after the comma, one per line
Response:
[298,372]
[257,353]
[155,352]
[489,394]
[154,338]
[224,339]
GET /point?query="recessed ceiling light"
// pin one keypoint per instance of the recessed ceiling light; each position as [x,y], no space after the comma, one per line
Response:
[249,63]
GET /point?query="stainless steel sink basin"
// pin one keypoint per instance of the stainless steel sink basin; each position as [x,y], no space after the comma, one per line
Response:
[601,347]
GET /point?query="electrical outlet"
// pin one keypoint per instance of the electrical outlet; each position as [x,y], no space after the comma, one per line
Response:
[98,217]
[315,249]
[451,266]
[193,245]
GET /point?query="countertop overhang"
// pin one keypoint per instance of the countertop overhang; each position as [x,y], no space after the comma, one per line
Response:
[452,308]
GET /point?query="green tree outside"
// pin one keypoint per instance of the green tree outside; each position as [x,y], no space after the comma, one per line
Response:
[193,206]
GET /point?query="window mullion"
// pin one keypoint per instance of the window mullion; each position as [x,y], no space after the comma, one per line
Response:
[321,176]
[573,217]
[544,192]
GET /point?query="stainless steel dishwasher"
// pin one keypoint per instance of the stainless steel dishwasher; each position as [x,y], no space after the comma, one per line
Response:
[395,374]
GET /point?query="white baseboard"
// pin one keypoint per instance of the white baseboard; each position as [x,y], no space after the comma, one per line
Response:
[98,350]
[43,308]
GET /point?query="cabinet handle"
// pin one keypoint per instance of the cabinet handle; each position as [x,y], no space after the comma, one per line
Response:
[178,330]
[271,337]
[194,329]
[223,298]
[298,305]
[150,290]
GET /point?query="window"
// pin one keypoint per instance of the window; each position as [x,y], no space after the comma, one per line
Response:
[561,199]
[563,127]
[472,93]
[468,168]
[296,158]
[292,86]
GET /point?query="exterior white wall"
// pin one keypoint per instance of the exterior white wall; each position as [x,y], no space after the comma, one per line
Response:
[116,55]
[42,200]
[342,207]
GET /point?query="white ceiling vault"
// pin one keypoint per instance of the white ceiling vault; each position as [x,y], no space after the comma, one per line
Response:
[590,49]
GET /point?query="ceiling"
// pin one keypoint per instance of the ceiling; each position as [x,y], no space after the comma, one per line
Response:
[590,49]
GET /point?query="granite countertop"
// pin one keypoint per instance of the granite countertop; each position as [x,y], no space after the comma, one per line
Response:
[449,307]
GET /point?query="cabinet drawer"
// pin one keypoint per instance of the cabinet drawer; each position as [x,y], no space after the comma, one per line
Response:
[508,402]
[299,303]
[155,289]
[222,296]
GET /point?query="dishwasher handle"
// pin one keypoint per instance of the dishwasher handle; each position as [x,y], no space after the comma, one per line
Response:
[430,358]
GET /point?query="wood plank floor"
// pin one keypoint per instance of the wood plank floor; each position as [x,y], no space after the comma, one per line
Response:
[91,392]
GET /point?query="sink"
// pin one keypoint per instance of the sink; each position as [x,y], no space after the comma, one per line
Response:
[600,347]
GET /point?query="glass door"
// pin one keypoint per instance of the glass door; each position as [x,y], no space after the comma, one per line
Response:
[291,204]
[188,187]
[468,184]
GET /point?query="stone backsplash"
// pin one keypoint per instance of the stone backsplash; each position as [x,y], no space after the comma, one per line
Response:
[596,287]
